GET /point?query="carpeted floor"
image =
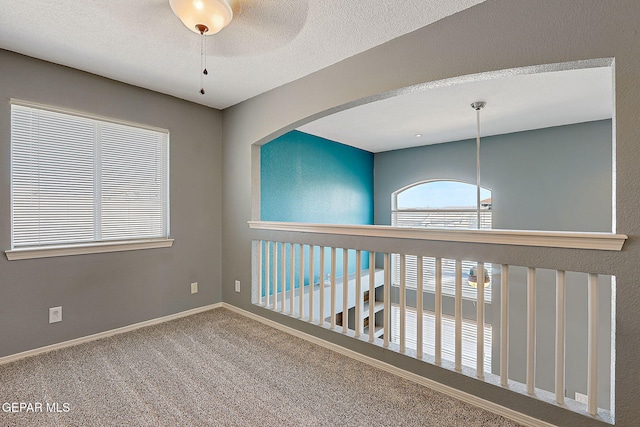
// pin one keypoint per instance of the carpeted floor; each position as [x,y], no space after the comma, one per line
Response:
[218,369]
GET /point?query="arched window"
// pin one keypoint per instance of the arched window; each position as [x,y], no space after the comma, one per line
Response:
[440,204]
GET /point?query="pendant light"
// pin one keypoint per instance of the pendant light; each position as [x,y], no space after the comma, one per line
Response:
[203,17]
[473,274]
[473,278]
[478,105]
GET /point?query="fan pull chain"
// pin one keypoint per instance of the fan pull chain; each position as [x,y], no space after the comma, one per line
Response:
[203,54]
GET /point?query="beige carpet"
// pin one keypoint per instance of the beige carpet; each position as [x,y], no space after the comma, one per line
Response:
[218,369]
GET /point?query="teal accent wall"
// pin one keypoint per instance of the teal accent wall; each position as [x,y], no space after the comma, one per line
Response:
[305,178]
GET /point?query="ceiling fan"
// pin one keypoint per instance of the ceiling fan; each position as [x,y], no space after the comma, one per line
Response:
[258,26]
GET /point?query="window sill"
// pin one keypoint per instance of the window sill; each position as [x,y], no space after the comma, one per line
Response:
[86,248]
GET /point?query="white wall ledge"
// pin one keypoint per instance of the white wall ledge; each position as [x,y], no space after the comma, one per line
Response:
[551,239]
[86,248]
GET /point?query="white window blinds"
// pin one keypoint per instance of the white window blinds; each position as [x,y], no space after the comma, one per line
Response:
[440,218]
[77,179]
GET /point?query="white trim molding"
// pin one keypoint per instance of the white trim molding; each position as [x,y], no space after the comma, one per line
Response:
[551,239]
[14,101]
[86,248]
[105,334]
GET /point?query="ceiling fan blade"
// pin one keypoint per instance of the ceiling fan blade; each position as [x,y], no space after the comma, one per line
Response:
[260,26]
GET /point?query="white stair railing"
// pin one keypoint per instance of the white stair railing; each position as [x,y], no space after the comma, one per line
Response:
[361,299]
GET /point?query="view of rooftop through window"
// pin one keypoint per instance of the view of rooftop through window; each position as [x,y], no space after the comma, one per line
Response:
[441,204]
[442,195]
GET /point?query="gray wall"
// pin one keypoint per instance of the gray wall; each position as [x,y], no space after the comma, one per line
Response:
[105,291]
[495,35]
[556,178]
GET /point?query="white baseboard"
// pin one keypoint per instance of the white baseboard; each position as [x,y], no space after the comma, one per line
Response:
[105,334]
[471,399]
[518,417]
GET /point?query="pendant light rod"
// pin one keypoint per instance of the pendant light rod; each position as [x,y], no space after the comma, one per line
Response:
[478,105]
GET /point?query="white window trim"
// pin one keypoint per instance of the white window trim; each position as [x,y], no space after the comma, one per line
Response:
[86,248]
[34,252]
[14,101]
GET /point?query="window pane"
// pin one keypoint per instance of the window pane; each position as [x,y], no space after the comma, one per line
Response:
[441,195]
[52,177]
[132,185]
[76,179]
[441,219]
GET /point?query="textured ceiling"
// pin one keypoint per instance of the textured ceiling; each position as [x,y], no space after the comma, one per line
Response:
[269,42]
[442,113]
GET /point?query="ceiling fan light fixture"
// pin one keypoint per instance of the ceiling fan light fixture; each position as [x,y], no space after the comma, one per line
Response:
[213,14]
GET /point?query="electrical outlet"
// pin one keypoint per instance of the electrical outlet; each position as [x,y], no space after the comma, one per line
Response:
[582,398]
[194,288]
[55,314]
[237,285]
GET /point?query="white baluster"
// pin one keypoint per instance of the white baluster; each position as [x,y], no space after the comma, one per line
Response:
[292,284]
[311,282]
[560,329]
[438,312]
[592,356]
[267,272]
[333,288]
[480,320]
[358,317]
[531,330]
[458,303]
[283,274]
[419,309]
[372,293]
[260,281]
[301,286]
[387,301]
[504,325]
[275,275]
[345,290]
[403,302]
[321,290]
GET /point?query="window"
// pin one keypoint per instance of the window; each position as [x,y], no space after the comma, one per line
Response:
[77,179]
[440,204]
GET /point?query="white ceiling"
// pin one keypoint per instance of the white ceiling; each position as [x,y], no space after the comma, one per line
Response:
[515,102]
[269,42]
[272,42]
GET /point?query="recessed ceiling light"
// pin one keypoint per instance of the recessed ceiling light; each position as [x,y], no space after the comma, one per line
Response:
[418,135]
